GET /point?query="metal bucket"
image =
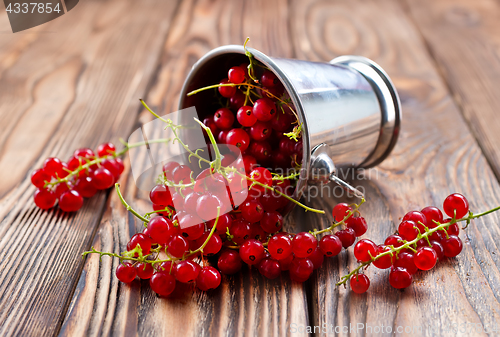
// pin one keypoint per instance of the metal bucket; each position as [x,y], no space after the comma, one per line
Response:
[349,108]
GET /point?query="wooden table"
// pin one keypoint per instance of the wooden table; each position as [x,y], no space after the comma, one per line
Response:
[75,82]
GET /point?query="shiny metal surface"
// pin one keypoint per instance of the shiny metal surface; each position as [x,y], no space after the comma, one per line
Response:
[352,110]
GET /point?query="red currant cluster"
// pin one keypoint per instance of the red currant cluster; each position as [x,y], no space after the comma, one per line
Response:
[423,238]
[80,177]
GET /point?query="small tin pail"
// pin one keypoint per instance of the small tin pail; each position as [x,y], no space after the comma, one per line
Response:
[349,108]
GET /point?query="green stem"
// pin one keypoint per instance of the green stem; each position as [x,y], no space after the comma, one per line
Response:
[127,206]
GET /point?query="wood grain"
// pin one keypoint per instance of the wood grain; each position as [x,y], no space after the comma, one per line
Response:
[245,304]
[67,84]
[462,37]
[436,154]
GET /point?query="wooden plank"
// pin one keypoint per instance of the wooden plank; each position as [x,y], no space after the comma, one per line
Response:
[462,37]
[245,304]
[70,83]
[436,155]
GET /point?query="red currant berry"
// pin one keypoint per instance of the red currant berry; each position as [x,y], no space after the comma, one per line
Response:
[271,222]
[364,250]
[359,283]
[192,227]
[257,233]
[264,109]
[143,241]
[186,271]
[39,178]
[400,278]
[85,187]
[456,203]
[226,91]
[385,261]
[206,206]
[177,246]
[301,269]
[252,252]
[224,119]
[330,245]
[340,211]
[44,199]
[126,272]
[406,260]
[453,229]
[111,166]
[432,214]
[237,100]
[282,122]
[317,257]
[347,237]
[269,268]
[438,248]
[181,173]
[261,131]
[425,258]
[52,166]
[223,223]
[208,278]
[263,176]
[213,245]
[394,240]
[144,270]
[229,262]
[249,163]
[240,230]
[261,151]
[419,219]
[270,202]
[168,169]
[238,138]
[60,189]
[84,153]
[70,201]
[303,244]
[408,230]
[252,211]
[102,178]
[162,283]
[106,149]
[236,75]
[268,79]
[358,224]
[245,116]
[452,246]
[161,229]
[280,246]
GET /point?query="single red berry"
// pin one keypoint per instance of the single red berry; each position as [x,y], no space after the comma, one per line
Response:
[238,138]
[213,245]
[161,229]
[44,199]
[186,271]
[340,211]
[70,201]
[257,233]
[224,119]
[303,244]
[287,146]
[84,153]
[268,79]
[226,91]
[317,257]
[456,203]
[419,219]
[237,100]
[144,270]
[400,278]
[112,166]
[438,248]
[39,178]
[425,258]
[106,149]
[245,116]
[229,262]
[347,237]
[433,215]
[282,122]
[406,260]
[249,163]
[252,252]
[269,201]
[252,210]
[206,206]
[301,269]
[453,229]
[359,283]
[190,202]
[61,188]
[271,222]
[394,240]
[85,187]
[162,283]
[126,272]
[182,173]
[240,230]
[385,261]
[168,169]
[358,224]
[365,250]
[261,131]
[452,246]
[143,241]
[177,246]
[408,230]
[223,223]
[191,226]
[280,246]
[264,109]
[262,176]
[236,75]
[269,268]
[52,166]
[208,278]
[261,151]
[102,178]
[330,245]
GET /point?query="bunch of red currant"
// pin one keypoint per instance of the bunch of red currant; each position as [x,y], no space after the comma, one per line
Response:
[80,177]
[423,238]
